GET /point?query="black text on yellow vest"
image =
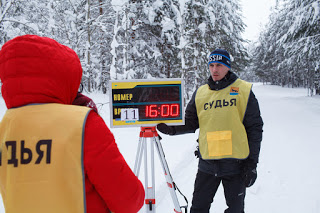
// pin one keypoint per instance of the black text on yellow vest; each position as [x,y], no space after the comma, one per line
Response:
[222,134]
[41,161]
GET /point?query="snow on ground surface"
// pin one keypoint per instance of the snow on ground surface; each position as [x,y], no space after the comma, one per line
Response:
[288,172]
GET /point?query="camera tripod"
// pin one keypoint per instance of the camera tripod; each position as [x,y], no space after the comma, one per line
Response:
[152,134]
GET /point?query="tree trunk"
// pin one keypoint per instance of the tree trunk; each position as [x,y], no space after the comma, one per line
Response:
[88,46]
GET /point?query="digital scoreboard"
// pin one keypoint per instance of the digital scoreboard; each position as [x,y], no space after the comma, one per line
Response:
[146,102]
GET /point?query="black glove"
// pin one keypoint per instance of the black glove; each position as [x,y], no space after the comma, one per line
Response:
[197,152]
[165,129]
[249,173]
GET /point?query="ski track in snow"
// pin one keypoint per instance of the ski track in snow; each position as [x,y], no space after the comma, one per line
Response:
[288,172]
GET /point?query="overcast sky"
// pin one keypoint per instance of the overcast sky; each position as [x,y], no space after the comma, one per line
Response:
[256,14]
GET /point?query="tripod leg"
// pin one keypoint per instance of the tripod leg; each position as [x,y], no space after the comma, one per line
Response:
[137,162]
[150,190]
[168,176]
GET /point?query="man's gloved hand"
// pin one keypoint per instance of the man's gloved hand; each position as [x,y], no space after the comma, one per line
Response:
[165,129]
[249,173]
[197,152]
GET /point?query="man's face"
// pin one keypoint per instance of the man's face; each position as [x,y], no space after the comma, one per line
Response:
[218,71]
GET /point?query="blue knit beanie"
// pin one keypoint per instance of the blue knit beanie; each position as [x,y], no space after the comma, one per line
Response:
[220,56]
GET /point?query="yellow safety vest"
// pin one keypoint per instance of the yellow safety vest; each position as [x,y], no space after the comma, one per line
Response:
[41,160]
[220,113]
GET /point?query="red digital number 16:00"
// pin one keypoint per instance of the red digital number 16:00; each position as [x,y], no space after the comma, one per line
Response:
[163,110]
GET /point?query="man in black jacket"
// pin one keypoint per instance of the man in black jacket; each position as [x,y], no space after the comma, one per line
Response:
[227,114]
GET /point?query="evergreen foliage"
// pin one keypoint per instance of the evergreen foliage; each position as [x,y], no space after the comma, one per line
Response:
[133,39]
[288,49]
[136,39]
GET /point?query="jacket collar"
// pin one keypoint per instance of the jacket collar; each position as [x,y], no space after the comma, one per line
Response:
[223,83]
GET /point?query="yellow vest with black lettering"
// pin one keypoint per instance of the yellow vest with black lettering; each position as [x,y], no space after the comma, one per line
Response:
[41,160]
[220,113]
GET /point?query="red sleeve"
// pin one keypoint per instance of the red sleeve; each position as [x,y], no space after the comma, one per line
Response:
[107,170]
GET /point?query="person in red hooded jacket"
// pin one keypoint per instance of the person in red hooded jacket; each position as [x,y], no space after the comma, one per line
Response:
[54,156]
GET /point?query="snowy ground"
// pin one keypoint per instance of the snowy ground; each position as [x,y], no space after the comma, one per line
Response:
[288,172]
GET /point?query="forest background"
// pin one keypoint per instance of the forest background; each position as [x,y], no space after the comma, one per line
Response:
[139,39]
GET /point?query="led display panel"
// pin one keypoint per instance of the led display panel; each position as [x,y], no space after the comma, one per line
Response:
[146,102]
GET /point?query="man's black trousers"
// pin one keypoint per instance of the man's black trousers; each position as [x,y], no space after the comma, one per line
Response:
[206,186]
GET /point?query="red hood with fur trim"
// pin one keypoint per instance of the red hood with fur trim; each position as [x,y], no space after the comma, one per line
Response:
[37,69]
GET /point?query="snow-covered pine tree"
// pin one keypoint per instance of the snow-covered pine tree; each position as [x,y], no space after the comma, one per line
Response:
[119,43]
[210,25]
[169,38]
[103,35]
[134,42]
[5,7]
[290,45]
[135,38]
[153,37]
[303,39]
[14,19]
[194,48]
[227,31]
[269,55]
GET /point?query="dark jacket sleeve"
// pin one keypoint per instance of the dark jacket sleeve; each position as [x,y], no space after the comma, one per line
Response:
[253,124]
[191,118]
